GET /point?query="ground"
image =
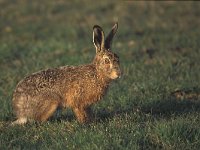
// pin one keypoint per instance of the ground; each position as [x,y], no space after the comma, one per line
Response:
[156,103]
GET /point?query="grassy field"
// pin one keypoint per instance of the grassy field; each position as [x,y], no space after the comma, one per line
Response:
[155,105]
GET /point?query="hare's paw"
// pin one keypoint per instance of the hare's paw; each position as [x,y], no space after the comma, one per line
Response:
[83,115]
[20,121]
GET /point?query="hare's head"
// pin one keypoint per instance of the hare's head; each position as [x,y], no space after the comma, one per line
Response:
[106,61]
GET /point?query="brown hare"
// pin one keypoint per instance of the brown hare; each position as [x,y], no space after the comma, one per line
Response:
[37,96]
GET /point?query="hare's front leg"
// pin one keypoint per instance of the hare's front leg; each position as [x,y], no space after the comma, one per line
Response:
[83,115]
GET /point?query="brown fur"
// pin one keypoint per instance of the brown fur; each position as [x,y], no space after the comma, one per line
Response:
[38,96]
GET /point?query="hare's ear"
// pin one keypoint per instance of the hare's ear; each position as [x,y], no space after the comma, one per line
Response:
[98,38]
[108,41]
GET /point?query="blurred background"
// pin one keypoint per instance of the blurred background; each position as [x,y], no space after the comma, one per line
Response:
[68,25]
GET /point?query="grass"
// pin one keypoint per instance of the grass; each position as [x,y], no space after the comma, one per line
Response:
[155,105]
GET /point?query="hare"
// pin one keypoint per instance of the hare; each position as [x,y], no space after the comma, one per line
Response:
[38,95]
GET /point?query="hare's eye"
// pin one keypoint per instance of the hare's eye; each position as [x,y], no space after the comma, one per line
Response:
[107,61]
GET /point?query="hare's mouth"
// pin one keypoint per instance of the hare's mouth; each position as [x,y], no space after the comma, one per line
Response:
[115,74]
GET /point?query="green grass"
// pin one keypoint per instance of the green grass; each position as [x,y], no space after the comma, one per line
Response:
[159,48]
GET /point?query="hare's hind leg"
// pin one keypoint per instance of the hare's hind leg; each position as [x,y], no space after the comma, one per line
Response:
[47,111]
[42,113]
[47,103]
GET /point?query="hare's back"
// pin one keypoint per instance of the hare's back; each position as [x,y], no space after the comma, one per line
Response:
[56,80]
[40,81]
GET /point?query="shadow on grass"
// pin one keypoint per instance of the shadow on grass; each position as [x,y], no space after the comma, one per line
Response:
[100,116]
[177,103]
[168,107]
[159,109]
